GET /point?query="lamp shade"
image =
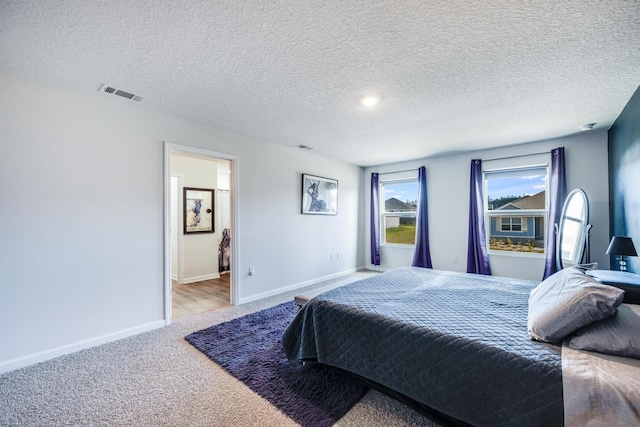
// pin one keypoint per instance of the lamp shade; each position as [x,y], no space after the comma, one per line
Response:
[621,246]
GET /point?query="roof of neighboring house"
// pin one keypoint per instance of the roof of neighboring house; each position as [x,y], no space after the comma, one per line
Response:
[537,201]
[394,204]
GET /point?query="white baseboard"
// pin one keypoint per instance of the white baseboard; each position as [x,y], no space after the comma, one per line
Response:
[43,356]
[296,286]
[201,278]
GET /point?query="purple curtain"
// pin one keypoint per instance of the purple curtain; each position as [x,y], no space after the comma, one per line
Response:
[477,255]
[557,194]
[421,256]
[375,220]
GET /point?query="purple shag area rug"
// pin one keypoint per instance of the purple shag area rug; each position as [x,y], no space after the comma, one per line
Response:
[250,349]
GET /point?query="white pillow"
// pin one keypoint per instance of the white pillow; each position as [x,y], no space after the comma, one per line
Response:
[567,301]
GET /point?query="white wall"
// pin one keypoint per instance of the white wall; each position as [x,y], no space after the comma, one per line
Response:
[448,198]
[200,250]
[175,227]
[223,201]
[81,217]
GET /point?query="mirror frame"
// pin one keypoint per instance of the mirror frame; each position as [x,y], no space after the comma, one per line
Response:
[582,242]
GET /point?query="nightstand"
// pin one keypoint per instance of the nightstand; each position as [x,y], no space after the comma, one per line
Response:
[629,282]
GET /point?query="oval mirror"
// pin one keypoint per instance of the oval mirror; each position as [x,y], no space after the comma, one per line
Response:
[573,230]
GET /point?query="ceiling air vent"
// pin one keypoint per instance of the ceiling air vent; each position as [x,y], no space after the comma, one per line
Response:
[304,147]
[122,93]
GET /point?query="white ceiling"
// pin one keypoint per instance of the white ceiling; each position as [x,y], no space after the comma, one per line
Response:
[451,75]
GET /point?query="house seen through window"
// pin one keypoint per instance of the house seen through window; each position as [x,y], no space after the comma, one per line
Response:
[516,209]
[398,211]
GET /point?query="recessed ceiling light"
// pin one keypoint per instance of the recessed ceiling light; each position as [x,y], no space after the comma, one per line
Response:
[369,101]
[588,126]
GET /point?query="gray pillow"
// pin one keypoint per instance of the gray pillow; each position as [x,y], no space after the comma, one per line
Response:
[567,301]
[618,335]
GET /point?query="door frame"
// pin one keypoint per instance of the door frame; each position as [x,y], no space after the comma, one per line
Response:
[233,183]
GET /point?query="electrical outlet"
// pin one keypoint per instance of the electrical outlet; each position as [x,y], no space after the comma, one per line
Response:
[454,259]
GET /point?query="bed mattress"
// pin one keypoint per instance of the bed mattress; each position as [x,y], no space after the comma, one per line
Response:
[455,342]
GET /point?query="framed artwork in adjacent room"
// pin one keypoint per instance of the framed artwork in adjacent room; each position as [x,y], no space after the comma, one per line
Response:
[319,195]
[198,210]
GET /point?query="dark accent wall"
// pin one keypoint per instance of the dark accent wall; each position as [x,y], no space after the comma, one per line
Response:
[624,177]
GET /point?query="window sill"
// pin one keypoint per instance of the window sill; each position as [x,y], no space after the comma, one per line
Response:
[516,254]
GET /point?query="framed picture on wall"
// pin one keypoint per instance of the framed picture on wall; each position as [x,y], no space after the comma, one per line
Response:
[319,195]
[198,210]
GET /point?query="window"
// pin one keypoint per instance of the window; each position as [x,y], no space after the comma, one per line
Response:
[512,224]
[398,211]
[516,209]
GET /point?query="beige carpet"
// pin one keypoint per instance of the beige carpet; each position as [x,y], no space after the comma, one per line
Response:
[158,379]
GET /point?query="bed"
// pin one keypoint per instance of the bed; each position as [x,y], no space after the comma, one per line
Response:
[455,344]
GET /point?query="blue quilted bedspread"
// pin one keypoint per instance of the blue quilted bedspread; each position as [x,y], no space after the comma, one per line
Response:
[455,342]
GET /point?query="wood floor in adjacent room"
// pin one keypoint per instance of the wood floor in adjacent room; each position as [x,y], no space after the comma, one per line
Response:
[193,298]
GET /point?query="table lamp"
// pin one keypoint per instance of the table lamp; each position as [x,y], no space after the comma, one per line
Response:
[622,246]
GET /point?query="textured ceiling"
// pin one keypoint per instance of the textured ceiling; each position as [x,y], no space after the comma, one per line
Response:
[451,75]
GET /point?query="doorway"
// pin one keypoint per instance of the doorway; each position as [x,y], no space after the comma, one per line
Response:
[199,267]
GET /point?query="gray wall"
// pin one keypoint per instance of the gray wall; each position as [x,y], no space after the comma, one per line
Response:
[81,217]
[448,193]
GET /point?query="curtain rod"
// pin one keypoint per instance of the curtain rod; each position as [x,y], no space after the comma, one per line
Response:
[406,170]
[515,157]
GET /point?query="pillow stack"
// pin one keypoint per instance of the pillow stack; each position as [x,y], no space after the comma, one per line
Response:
[567,301]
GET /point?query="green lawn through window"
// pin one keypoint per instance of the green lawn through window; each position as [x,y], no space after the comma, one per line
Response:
[404,234]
